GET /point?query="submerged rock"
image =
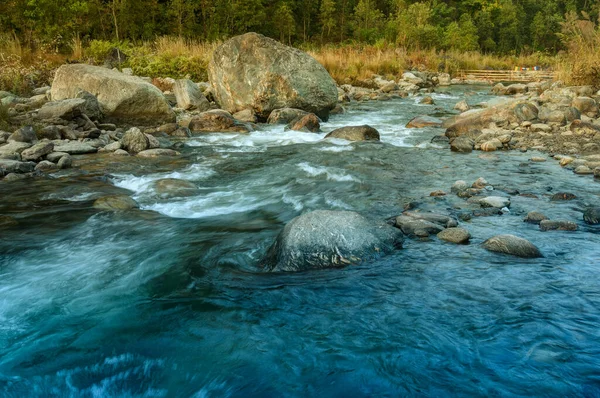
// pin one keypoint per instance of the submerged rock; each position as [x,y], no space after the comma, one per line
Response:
[455,235]
[551,225]
[424,121]
[534,217]
[175,188]
[115,203]
[512,245]
[285,115]
[216,121]
[355,133]
[592,216]
[308,123]
[330,239]
[254,72]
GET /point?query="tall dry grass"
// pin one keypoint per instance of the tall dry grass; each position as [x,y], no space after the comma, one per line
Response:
[580,65]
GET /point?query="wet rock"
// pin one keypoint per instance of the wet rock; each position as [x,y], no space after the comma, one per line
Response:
[455,235]
[288,78]
[55,156]
[480,183]
[216,121]
[37,151]
[75,148]
[15,166]
[462,144]
[189,96]
[563,196]
[246,116]
[487,212]
[441,219]
[153,142]
[462,106]
[24,134]
[491,145]
[592,216]
[438,193]
[175,188]
[583,170]
[115,203]
[65,162]
[285,115]
[440,140]
[551,225]
[417,227]
[534,217]
[67,109]
[597,172]
[538,159]
[427,100]
[13,148]
[135,141]
[586,106]
[512,245]
[121,97]
[157,152]
[327,239]
[308,123]
[459,186]
[121,152]
[49,132]
[355,133]
[46,165]
[424,121]
[91,108]
[113,146]
[494,201]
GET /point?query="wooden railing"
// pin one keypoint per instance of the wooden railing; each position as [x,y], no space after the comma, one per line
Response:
[506,75]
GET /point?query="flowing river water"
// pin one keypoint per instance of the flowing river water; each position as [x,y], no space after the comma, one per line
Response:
[170,300]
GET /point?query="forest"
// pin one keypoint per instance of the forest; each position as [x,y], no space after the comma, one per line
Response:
[503,27]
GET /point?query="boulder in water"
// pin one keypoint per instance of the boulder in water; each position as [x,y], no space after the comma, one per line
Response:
[591,216]
[308,123]
[424,121]
[330,239]
[175,188]
[512,245]
[216,121]
[355,133]
[115,203]
[254,72]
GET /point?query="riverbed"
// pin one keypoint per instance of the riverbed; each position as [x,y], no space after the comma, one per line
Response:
[170,300]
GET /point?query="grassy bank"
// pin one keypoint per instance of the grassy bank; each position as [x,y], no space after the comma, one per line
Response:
[22,69]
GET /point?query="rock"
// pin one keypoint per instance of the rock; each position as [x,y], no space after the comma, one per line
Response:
[440,140]
[427,100]
[65,162]
[11,149]
[597,172]
[512,245]
[548,225]
[438,193]
[182,132]
[49,132]
[552,116]
[308,123]
[355,133]
[24,134]
[115,203]
[534,217]
[254,72]
[46,165]
[562,196]
[174,188]
[189,96]
[424,121]
[592,216]
[583,170]
[157,152]
[75,148]
[517,88]
[113,146]
[462,106]
[153,142]
[417,227]
[441,219]
[459,186]
[455,235]
[494,201]
[586,106]
[67,109]
[326,239]
[91,108]
[37,151]
[246,116]
[285,115]
[540,127]
[120,152]
[121,97]
[55,156]
[491,145]
[15,166]
[538,159]
[135,141]
[216,121]
[462,144]
[7,222]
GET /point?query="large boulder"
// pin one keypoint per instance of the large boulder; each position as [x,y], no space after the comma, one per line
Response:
[329,239]
[189,96]
[512,245]
[121,97]
[355,133]
[254,72]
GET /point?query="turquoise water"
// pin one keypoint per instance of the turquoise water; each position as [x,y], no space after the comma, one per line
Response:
[170,301]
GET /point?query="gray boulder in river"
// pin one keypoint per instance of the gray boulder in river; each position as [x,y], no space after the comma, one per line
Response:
[255,72]
[330,239]
[512,245]
[121,97]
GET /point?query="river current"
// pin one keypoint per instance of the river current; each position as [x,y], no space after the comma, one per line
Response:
[170,300]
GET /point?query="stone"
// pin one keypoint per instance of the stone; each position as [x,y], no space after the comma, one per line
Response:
[175,188]
[459,186]
[121,152]
[462,106]
[427,100]
[37,151]
[121,97]
[491,145]
[517,88]
[441,219]
[480,183]
[46,165]
[13,148]
[153,142]
[512,245]
[534,217]
[157,152]
[563,196]
[462,144]
[355,133]
[75,148]
[254,72]
[115,203]
[216,121]
[65,162]
[285,115]
[24,134]
[583,170]
[246,116]
[591,216]
[494,201]
[91,108]
[15,166]
[551,225]
[597,172]
[113,146]
[67,109]
[455,235]
[135,141]
[49,132]
[438,193]
[55,156]
[308,123]
[424,121]
[537,159]
[189,96]
[586,106]
[330,239]
[417,227]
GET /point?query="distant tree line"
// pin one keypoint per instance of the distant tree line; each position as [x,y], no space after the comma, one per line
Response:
[490,26]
